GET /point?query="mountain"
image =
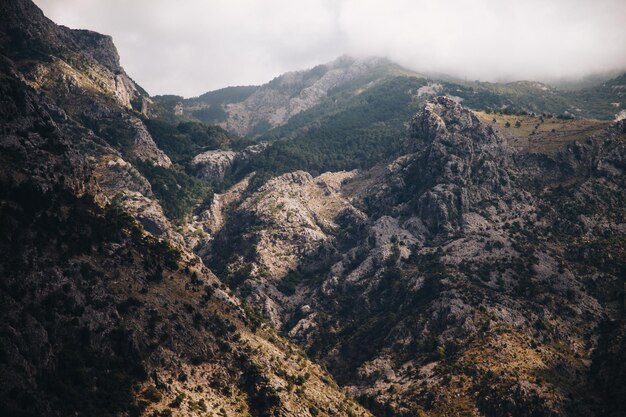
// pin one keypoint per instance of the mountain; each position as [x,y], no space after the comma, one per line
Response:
[468,276]
[105,309]
[361,120]
[351,240]
[253,110]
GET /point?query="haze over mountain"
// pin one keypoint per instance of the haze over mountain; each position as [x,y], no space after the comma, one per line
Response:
[353,238]
[190,47]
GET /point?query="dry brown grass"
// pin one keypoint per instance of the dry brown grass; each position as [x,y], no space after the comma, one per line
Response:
[535,136]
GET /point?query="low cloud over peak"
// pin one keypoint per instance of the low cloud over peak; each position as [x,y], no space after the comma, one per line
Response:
[194,46]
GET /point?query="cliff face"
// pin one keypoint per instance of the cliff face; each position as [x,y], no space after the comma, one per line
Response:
[59,57]
[214,166]
[463,277]
[104,308]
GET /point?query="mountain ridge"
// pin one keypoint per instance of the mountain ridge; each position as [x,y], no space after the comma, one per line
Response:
[526,96]
[157,266]
[411,267]
[106,310]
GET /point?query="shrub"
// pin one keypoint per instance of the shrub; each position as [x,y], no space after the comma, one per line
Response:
[152,394]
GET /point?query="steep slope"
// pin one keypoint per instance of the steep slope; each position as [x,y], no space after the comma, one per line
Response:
[463,278]
[363,122]
[604,99]
[351,114]
[104,308]
[464,275]
[100,319]
[250,110]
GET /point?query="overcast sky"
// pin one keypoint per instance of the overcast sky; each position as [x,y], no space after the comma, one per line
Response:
[188,47]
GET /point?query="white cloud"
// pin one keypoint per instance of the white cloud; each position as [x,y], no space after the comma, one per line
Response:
[191,46]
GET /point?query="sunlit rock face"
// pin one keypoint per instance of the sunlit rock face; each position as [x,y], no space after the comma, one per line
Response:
[454,254]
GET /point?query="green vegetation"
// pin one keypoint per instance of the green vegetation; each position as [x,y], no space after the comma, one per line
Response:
[362,122]
[597,102]
[185,140]
[288,284]
[212,115]
[344,132]
[210,106]
[176,188]
[178,192]
[215,100]
[356,128]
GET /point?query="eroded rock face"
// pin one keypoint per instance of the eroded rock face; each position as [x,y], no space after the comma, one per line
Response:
[104,310]
[292,218]
[292,93]
[213,166]
[144,147]
[27,29]
[458,162]
[100,47]
[115,175]
[457,254]
[299,211]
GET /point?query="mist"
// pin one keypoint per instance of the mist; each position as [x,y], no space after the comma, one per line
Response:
[189,47]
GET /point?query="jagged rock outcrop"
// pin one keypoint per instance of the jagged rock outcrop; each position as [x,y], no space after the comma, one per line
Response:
[214,166]
[104,310]
[293,218]
[459,284]
[458,163]
[144,147]
[100,47]
[79,58]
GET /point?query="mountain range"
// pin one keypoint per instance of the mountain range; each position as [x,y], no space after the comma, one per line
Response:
[356,239]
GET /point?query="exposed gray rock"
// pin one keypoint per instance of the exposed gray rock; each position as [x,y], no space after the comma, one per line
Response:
[463,238]
[144,147]
[292,93]
[213,166]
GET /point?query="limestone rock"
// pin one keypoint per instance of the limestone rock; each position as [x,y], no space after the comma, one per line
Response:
[274,103]
[213,166]
[144,147]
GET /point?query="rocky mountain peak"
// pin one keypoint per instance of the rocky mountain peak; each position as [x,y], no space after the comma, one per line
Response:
[23,27]
[100,47]
[67,59]
[21,24]
[456,161]
[444,120]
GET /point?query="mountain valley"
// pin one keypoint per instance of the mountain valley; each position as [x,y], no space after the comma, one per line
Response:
[356,239]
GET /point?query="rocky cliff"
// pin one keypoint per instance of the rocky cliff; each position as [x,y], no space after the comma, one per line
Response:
[452,280]
[213,166]
[474,273]
[105,310]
